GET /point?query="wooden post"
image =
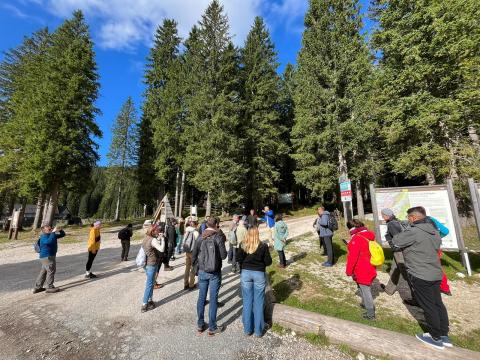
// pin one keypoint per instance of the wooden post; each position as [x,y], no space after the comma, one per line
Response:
[359,196]
[375,213]
[458,228]
[474,195]
[209,205]
[13,232]
[177,181]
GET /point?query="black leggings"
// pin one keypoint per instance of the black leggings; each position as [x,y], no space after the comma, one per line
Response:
[91,257]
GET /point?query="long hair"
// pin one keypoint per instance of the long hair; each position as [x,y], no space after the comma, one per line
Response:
[252,241]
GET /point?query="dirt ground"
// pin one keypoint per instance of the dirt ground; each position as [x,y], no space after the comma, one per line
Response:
[101,319]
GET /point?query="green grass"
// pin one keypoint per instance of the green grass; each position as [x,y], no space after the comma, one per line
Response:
[305,290]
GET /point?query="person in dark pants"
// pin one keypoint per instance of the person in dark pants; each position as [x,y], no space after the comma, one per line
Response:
[125,235]
[171,237]
[420,244]
[48,252]
[326,235]
[207,257]
[93,248]
[398,272]
[252,219]
[316,225]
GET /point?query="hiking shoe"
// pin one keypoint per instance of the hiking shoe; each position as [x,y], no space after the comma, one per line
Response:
[446,341]
[220,304]
[217,331]
[52,290]
[428,340]
[448,293]
[144,308]
[327,264]
[201,330]
[150,305]
[157,286]
[38,290]
[93,276]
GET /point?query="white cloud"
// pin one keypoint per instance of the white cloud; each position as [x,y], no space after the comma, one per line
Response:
[122,24]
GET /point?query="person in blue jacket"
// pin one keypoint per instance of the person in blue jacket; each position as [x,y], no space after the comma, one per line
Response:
[270,222]
[48,252]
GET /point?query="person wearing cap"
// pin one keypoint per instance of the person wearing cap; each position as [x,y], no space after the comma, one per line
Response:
[93,247]
[47,247]
[398,272]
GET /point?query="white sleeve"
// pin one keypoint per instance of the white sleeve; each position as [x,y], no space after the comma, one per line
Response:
[156,244]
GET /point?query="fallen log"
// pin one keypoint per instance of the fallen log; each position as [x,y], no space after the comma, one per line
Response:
[364,338]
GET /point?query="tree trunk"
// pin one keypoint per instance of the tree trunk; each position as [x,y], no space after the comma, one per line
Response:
[209,205]
[430,178]
[472,133]
[45,209]
[11,205]
[180,202]
[117,208]
[177,181]
[38,213]
[52,205]
[359,196]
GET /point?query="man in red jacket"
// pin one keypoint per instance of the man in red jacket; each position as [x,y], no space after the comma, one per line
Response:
[359,266]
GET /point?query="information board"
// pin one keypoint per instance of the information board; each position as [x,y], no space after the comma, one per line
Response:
[434,199]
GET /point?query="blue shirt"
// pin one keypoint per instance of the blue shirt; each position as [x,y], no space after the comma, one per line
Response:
[48,243]
[270,219]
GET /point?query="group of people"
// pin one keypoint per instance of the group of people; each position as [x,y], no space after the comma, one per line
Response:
[416,245]
[206,246]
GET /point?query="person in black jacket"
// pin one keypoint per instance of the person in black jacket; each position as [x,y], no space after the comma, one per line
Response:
[170,244]
[207,257]
[254,257]
[398,272]
[125,235]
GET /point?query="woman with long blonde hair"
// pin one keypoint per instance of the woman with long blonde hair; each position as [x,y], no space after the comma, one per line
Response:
[254,257]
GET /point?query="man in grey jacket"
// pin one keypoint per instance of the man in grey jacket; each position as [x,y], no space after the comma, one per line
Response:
[420,243]
[325,234]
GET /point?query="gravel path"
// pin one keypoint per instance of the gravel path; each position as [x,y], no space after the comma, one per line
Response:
[101,319]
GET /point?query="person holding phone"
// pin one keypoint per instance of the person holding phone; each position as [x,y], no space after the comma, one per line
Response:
[48,247]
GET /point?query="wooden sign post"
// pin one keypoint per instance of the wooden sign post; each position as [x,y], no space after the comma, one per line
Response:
[14,225]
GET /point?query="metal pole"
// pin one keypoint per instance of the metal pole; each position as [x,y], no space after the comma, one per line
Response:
[375,213]
[475,202]
[458,228]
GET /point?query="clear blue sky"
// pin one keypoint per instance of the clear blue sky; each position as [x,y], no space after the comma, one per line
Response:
[122,31]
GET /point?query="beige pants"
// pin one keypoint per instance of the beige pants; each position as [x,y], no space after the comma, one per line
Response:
[189,277]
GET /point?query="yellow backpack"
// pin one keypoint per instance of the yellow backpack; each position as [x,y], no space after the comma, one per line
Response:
[377,257]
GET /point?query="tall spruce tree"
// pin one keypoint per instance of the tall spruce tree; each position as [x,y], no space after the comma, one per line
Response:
[21,72]
[287,117]
[62,151]
[148,189]
[331,63]
[161,106]
[123,149]
[262,118]
[213,160]
[430,99]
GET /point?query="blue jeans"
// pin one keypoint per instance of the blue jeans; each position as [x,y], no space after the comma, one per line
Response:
[151,271]
[206,280]
[253,293]
[179,247]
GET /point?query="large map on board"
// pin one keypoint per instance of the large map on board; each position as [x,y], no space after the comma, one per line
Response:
[433,198]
